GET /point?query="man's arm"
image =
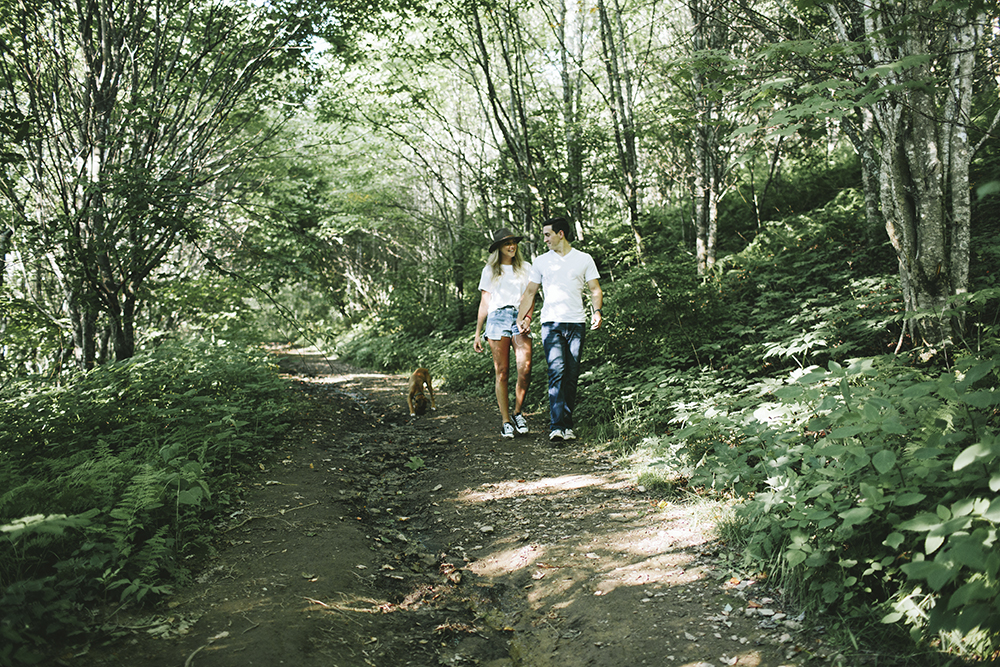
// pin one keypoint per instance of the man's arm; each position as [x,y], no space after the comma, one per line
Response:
[527,305]
[596,300]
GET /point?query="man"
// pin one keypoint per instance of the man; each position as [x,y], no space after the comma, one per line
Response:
[563,273]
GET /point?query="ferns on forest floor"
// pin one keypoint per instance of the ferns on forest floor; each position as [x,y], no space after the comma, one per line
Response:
[115,475]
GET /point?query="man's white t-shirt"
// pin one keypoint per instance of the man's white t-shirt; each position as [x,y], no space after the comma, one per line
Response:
[564,281]
[508,289]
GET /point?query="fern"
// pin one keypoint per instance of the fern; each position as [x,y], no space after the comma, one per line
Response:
[142,495]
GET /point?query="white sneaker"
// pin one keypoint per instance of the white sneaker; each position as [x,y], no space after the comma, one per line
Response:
[555,434]
[520,425]
[569,435]
[507,430]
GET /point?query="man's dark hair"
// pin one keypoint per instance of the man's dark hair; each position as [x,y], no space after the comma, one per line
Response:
[560,224]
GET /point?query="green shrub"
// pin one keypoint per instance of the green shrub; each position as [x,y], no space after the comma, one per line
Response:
[108,480]
[660,311]
[366,347]
[874,487]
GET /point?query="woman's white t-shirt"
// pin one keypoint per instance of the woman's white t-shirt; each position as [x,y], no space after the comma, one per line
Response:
[507,290]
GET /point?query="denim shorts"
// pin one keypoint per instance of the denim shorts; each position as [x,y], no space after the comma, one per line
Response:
[500,323]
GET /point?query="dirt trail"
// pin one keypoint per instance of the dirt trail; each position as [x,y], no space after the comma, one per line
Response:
[377,539]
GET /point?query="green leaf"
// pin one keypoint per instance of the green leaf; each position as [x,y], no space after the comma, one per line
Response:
[855,515]
[884,461]
[970,592]
[845,432]
[894,426]
[909,498]
[970,550]
[976,373]
[190,496]
[894,617]
[941,576]
[795,557]
[922,522]
[964,506]
[919,389]
[893,540]
[936,574]
[940,533]
[971,454]
[993,513]
[871,492]
[845,389]
[982,399]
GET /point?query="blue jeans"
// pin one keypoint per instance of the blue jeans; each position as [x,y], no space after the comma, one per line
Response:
[563,343]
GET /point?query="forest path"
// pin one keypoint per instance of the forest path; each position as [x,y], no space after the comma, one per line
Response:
[377,539]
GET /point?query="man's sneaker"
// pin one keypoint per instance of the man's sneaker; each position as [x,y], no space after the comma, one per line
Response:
[556,434]
[569,435]
[520,425]
[507,430]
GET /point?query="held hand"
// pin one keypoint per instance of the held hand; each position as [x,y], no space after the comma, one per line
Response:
[477,343]
[595,320]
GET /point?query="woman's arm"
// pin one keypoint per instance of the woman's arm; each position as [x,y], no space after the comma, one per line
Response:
[484,309]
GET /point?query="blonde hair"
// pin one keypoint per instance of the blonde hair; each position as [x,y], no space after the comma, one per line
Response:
[496,268]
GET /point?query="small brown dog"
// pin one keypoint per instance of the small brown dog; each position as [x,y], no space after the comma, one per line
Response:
[416,399]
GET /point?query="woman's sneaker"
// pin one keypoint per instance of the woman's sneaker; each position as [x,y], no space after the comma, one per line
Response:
[520,425]
[507,430]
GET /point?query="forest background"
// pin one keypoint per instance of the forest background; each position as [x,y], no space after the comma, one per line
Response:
[793,207]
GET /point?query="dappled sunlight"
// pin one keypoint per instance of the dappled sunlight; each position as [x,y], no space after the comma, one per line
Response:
[638,554]
[544,486]
[507,561]
[744,659]
[349,604]
[664,569]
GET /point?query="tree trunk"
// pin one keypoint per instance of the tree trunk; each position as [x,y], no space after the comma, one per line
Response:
[512,123]
[571,52]
[921,146]
[137,105]
[620,102]
[708,166]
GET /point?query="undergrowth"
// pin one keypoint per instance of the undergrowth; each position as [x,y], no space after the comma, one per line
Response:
[109,480]
[861,483]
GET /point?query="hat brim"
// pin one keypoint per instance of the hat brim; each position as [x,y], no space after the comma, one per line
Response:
[504,241]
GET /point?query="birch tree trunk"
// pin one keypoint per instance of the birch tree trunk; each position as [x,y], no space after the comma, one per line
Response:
[923,86]
[620,94]
[569,30]
[707,179]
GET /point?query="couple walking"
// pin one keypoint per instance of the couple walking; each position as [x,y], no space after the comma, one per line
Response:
[509,285]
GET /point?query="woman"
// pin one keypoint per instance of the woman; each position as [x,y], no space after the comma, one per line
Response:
[502,283]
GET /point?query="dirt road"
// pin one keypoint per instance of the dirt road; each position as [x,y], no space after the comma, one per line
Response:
[377,539]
